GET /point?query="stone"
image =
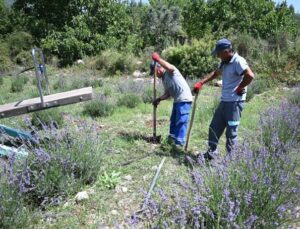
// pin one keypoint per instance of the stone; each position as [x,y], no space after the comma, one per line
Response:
[81,196]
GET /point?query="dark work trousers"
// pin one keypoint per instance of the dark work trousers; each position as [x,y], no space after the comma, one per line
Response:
[227,115]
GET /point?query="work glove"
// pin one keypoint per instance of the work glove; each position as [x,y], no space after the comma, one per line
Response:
[197,87]
[155,57]
[240,91]
[156,102]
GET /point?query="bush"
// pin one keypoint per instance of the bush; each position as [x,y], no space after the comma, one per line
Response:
[12,204]
[18,84]
[99,107]
[129,100]
[47,118]
[192,60]
[260,85]
[5,62]
[112,62]
[64,161]
[18,42]
[24,58]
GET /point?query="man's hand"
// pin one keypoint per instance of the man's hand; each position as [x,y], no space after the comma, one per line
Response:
[156,102]
[155,57]
[240,91]
[197,87]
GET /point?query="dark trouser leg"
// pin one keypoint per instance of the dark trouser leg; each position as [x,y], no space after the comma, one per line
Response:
[216,128]
[233,111]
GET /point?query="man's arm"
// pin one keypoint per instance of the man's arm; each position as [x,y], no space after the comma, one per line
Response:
[163,97]
[165,64]
[248,77]
[209,77]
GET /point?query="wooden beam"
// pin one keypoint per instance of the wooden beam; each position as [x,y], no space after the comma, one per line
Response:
[54,100]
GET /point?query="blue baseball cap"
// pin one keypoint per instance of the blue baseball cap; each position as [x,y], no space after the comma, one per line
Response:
[221,45]
[152,67]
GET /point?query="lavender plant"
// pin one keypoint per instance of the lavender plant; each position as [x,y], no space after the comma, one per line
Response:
[253,187]
[63,162]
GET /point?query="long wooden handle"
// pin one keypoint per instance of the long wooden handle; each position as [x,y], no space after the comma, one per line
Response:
[154,107]
[191,122]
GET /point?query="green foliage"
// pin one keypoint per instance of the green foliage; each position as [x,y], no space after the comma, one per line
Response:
[47,118]
[17,85]
[111,62]
[109,180]
[12,205]
[19,41]
[65,161]
[161,26]
[5,61]
[24,58]
[194,19]
[129,100]
[260,85]
[99,107]
[192,60]
[1,80]
[73,43]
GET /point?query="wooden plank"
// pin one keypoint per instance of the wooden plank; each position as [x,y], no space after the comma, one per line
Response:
[54,100]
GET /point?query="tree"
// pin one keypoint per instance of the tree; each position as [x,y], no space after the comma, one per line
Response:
[161,26]
[195,15]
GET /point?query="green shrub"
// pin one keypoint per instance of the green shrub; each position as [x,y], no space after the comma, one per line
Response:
[147,95]
[61,83]
[24,58]
[12,204]
[192,60]
[113,62]
[259,86]
[1,80]
[47,118]
[64,162]
[99,107]
[5,62]
[18,84]
[18,42]
[129,100]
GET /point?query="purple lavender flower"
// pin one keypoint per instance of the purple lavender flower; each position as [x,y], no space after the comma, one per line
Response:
[249,222]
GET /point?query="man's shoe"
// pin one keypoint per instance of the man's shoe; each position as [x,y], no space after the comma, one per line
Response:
[208,157]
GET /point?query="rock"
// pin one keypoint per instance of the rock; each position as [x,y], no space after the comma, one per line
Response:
[128,177]
[81,196]
[124,189]
[138,80]
[139,62]
[114,212]
[137,74]
[79,62]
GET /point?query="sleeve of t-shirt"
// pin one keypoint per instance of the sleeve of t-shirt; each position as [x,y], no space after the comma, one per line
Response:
[241,66]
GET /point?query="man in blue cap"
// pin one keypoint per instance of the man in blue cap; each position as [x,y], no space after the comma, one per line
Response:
[236,75]
[176,87]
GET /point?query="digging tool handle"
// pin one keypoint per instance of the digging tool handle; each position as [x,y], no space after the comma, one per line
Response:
[154,107]
[191,122]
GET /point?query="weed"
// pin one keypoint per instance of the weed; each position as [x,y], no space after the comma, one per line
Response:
[18,84]
[109,180]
